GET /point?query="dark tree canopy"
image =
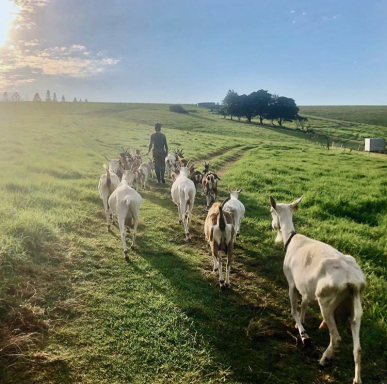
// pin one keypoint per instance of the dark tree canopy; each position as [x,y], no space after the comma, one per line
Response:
[231,103]
[282,109]
[48,96]
[261,100]
[259,103]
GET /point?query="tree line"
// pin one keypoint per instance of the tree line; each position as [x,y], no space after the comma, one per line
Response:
[16,97]
[261,104]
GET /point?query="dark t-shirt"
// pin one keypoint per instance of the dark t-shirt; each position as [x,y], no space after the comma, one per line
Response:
[159,142]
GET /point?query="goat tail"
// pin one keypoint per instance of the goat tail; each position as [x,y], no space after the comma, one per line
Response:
[108,179]
[221,220]
[127,200]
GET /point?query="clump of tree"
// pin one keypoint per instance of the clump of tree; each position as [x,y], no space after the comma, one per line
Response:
[37,97]
[16,97]
[5,96]
[259,104]
[177,108]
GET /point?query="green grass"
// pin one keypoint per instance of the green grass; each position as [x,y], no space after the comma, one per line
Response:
[72,310]
[372,115]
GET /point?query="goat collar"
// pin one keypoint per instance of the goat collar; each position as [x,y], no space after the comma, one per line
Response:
[289,240]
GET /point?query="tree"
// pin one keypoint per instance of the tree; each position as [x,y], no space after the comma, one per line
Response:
[48,96]
[54,98]
[75,100]
[261,100]
[63,99]
[5,96]
[282,109]
[230,102]
[86,101]
[80,100]
[223,111]
[246,103]
[36,97]
[16,97]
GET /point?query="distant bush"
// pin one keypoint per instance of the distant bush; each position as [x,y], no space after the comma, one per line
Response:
[177,108]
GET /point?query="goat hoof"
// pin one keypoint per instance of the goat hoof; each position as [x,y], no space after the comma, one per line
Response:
[227,285]
[324,362]
[126,254]
[306,340]
[133,246]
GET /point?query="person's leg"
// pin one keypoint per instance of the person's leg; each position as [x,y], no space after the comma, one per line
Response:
[162,172]
[158,173]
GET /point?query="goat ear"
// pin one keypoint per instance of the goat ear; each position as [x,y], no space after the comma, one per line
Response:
[217,177]
[272,202]
[295,203]
[239,190]
[229,188]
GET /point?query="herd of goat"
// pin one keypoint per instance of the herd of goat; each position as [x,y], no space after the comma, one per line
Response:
[319,272]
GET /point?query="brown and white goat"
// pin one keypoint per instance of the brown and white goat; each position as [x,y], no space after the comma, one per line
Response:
[320,273]
[210,187]
[219,233]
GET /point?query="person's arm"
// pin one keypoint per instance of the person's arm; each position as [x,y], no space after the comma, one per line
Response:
[150,144]
[166,145]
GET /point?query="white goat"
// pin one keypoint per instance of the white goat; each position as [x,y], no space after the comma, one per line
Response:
[170,164]
[183,193]
[145,171]
[323,274]
[236,209]
[115,166]
[125,202]
[108,182]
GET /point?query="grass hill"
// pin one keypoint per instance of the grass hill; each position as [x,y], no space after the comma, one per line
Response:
[72,310]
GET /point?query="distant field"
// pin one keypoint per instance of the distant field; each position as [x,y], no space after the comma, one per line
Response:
[367,114]
[73,311]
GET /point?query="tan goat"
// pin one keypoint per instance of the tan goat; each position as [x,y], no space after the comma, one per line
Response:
[219,233]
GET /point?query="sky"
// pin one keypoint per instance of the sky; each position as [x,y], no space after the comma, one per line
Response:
[331,52]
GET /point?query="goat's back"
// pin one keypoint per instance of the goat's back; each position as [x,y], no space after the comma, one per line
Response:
[316,266]
[212,219]
[117,200]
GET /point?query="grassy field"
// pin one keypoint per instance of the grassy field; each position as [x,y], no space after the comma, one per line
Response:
[367,114]
[72,310]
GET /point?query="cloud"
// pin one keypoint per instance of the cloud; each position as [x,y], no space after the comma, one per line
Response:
[20,64]
[330,18]
[293,12]
[23,61]
[303,13]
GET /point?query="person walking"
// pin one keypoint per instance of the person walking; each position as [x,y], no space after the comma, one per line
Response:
[160,150]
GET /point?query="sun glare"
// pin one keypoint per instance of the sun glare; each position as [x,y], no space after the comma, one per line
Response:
[8,13]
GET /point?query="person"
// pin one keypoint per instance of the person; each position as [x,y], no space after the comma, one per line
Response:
[160,150]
